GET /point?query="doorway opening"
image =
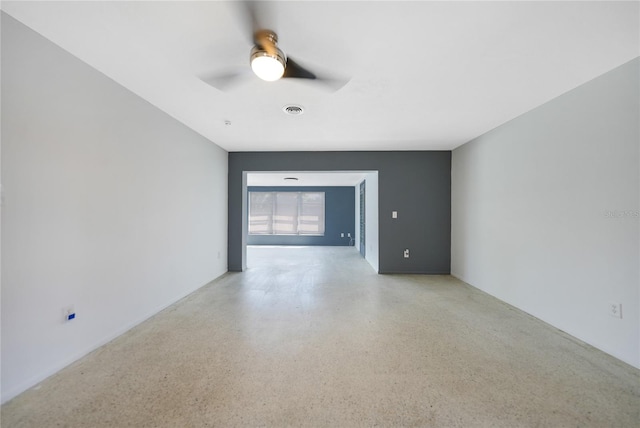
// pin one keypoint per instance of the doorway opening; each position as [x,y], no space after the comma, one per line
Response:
[283,208]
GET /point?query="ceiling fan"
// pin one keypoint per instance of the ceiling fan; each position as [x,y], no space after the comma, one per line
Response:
[267,61]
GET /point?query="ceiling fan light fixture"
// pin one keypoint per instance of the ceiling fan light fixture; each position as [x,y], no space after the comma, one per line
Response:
[267,66]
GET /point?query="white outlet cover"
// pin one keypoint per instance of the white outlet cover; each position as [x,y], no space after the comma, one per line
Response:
[394,214]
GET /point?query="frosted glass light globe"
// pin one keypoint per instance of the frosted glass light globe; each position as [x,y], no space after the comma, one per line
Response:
[267,67]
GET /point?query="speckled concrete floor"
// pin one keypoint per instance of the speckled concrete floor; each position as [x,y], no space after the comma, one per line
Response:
[313,337]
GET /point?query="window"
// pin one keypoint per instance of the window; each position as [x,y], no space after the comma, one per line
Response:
[286,213]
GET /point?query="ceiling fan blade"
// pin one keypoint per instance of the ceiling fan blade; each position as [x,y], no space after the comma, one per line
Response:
[225,80]
[296,71]
[255,16]
[251,13]
[334,83]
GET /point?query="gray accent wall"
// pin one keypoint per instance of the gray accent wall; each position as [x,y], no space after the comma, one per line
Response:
[416,184]
[339,204]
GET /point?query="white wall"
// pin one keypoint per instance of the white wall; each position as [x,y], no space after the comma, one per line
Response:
[530,212]
[371,219]
[356,235]
[108,204]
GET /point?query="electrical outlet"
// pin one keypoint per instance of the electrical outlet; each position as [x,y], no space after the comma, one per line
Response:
[69,313]
[615,310]
[342,235]
[406,253]
[349,234]
[394,214]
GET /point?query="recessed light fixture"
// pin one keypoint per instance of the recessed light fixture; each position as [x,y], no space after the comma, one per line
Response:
[291,179]
[293,109]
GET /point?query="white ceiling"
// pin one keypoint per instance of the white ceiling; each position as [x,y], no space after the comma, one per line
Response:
[423,75]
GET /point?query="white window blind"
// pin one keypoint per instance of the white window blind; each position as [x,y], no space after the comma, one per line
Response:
[261,213]
[285,217]
[286,213]
[311,216]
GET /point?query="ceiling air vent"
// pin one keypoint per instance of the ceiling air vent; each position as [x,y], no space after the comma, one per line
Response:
[293,110]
